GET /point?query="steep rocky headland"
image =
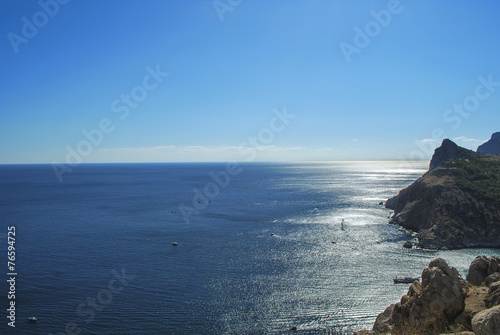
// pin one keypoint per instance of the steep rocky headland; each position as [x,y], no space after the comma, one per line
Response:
[491,147]
[445,303]
[456,204]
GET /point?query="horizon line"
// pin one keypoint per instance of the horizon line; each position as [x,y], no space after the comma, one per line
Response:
[226,162]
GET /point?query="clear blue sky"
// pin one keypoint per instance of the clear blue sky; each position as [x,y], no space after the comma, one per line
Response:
[230,66]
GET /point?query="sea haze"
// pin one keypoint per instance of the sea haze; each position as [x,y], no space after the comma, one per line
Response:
[95,252]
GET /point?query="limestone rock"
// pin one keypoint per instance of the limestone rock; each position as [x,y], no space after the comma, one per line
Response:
[443,300]
[494,295]
[415,289]
[492,278]
[438,300]
[478,270]
[442,293]
[487,322]
[483,267]
[494,265]
[384,321]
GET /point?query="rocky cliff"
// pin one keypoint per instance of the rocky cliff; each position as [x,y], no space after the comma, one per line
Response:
[456,204]
[445,303]
[491,147]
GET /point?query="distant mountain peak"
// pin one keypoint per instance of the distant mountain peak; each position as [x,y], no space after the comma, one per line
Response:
[491,147]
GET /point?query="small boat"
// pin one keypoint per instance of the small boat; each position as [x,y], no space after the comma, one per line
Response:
[405,280]
[32,319]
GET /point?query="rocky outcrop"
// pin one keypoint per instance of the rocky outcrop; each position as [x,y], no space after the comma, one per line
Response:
[493,298]
[481,268]
[456,204]
[385,321]
[483,290]
[444,301]
[491,147]
[488,269]
[436,302]
[485,272]
[487,322]
[445,152]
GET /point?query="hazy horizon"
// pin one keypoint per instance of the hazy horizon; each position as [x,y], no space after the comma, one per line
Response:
[237,162]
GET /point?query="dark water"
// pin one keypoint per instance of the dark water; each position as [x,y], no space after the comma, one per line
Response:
[95,254]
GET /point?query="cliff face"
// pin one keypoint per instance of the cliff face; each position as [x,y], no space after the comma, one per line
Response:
[491,147]
[456,204]
[446,151]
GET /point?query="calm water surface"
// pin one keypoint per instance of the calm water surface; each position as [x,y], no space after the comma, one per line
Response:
[95,253]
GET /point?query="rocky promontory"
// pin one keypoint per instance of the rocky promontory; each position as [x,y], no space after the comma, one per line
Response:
[491,147]
[444,303]
[456,204]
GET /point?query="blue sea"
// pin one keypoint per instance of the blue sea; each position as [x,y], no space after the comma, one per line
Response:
[260,247]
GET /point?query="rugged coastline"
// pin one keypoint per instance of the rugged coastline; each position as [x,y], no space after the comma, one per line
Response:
[456,204]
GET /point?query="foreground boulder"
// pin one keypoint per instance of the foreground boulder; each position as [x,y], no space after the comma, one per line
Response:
[485,272]
[487,322]
[483,267]
[434,303]
[444,302]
